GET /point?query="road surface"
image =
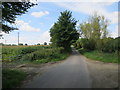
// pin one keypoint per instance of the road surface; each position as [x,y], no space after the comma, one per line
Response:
[72,73]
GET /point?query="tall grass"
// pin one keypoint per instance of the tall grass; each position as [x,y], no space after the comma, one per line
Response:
[12,78]
[12,53]
[101,56]
[39,54]
[27,54]
[45,55]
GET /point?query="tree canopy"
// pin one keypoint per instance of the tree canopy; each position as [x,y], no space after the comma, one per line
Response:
[95,27]
[63,33]
[93,31]
[94,36]
[10,11]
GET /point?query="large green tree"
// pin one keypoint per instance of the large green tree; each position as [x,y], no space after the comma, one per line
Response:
[95,27]
[64,33]
[94,30]
[10,11]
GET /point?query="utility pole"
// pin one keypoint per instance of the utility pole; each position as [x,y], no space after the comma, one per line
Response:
[18,38]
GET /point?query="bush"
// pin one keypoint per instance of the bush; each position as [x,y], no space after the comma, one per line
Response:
[13,53]
[26,44]
[43,54]
[105,45]
[82,50]
[78,44]
[32,53]
[21,44]
[38,44]
[111,45]
[26,50]
[87,43]
[45,43]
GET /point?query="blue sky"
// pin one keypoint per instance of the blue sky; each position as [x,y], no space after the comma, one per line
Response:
[34,26]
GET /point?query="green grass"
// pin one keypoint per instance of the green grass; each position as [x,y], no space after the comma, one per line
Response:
[13,53]
[12,78]
[45,55]
[100,56]
[46,60]
[32,54]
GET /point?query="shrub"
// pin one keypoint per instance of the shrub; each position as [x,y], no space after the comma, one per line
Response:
[78,43]
[45,43]
[88,43]
[21,44]
[26,50]
[105,45]
[26,44]
[38,44]
[111,45]
[12,53]
[43,54]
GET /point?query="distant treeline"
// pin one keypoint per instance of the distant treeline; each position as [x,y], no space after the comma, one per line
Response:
[105,45]
[94,35]
[21,44]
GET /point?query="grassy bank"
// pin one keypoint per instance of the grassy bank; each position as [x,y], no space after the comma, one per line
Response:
[12,78]
[33,54]
[15,55]
[46,60]
[100,56]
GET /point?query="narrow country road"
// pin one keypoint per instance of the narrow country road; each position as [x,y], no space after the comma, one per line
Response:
[72,73]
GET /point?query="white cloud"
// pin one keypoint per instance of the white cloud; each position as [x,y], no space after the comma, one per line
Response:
[39,14]
[45,37]
[73,1]
[115,33]
[100,0]
[99,6]
[25,26]
[12,38]
[2,33]
[89,8]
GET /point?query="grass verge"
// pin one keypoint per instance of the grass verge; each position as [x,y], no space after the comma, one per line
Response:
[12,78]
[46,60]
[100,56]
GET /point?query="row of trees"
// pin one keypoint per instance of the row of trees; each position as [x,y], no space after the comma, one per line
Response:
[105,45]
[94,34]
[21,44]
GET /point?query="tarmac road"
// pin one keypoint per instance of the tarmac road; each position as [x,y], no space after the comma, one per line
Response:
[72,73]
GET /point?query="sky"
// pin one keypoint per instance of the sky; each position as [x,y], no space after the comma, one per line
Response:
[34,26]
